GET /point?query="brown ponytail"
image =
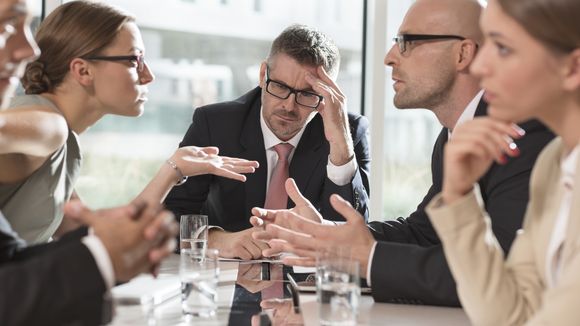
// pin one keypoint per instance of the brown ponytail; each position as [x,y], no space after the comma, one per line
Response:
[73,30]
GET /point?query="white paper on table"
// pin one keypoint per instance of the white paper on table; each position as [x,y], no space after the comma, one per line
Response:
[252,261]
[304,270]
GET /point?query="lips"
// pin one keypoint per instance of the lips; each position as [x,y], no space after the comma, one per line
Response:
[286,118]
[143,97]
[396,83]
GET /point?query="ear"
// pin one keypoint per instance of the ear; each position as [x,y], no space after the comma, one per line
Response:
[81,71]
[572,72]
[467,52]
[262,80]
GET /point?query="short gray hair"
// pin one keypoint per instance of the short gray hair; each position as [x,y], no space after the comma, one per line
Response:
[308,47]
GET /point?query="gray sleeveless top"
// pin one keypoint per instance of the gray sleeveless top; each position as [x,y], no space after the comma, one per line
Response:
[34,206]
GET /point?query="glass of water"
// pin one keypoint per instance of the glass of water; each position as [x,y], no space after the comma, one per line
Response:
[337,289]
[199,273]
[193,231]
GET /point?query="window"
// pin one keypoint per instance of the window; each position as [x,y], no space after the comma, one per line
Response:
[401,161]
[197,62]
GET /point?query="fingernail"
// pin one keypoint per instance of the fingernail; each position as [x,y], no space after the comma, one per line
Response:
[514,149]
[518,129]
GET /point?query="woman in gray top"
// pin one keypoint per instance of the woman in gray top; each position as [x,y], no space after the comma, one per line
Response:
[91,64]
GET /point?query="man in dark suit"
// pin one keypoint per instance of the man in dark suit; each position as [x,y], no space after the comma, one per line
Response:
[402,259]
[296,103]
[65,282]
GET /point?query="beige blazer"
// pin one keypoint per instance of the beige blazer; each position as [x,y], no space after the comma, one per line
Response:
[494,291]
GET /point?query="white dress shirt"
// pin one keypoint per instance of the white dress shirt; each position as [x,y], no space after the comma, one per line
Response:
[467,114]
[101,256]
[554,259]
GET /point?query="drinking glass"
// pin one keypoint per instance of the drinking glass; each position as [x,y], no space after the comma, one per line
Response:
[337,288]
[199,273]
[193,231]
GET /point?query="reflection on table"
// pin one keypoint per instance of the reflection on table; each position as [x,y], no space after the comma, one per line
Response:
[257,294]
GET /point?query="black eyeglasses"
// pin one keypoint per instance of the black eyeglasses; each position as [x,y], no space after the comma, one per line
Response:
[282,91]
[403,39]
[139,59]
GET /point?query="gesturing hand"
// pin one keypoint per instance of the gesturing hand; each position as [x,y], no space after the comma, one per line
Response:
[472,149]
[306,238]
[302,207]
[193,161]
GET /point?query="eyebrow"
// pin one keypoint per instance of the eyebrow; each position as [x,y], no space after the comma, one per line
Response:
[499,35]
[134,48]
[309,89]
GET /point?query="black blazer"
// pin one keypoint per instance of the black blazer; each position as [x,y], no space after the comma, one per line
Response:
[57,283]
[234,127]
[409,265]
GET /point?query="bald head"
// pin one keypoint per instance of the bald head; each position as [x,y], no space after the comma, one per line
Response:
[457,17]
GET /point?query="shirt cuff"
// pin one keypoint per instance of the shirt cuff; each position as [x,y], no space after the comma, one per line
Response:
[341,175]
[371,254]
[211,227]
[101,257]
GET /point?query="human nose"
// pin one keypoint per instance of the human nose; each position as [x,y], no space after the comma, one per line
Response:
[480,66]
[392,56]
[290,102]
[146,76]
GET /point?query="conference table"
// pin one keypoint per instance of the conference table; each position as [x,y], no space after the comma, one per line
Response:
[241,288]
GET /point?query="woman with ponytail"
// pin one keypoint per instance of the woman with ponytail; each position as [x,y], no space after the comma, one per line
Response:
[91,64]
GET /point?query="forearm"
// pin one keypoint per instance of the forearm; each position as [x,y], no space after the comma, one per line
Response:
[354,192]
[341,149]
[492,291]
[158,188]
[410,273]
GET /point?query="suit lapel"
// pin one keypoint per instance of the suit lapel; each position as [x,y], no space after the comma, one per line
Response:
[481,109]
[437,158]
[308,154]
[252,142]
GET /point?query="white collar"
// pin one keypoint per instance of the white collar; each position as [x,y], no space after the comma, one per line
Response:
[271,140]
[469,111]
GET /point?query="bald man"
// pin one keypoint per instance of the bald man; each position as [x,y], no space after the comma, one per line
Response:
[402,259]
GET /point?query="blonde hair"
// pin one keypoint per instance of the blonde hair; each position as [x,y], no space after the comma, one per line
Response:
[74,30]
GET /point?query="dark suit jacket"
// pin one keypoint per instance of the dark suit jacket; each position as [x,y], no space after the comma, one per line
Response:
[234,127]
[409,265]
[51,284]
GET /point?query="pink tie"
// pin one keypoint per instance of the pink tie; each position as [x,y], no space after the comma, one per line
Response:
[276,198]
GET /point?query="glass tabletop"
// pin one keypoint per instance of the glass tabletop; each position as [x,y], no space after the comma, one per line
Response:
[262,295]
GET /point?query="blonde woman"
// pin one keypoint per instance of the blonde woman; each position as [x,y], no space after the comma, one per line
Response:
[530,68]
[91,64]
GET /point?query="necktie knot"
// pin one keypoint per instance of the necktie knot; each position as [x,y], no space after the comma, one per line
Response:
[283,150]
[276,197]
